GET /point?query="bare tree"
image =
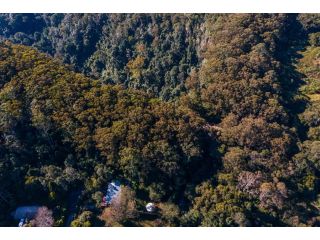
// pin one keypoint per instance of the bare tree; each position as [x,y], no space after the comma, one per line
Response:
[122,208]
[43,218]
[250,182]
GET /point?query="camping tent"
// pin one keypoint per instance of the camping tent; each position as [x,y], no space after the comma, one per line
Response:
[112,192]
[150,207]
[25,212]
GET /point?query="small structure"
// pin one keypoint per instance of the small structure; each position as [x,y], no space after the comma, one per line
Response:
[150,207]
[21,223]
[113,191]
[24,212]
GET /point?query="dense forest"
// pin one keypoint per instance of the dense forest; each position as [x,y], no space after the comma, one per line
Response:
[214,119]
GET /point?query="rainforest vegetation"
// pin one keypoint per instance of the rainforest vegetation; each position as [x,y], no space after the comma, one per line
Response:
[214,118]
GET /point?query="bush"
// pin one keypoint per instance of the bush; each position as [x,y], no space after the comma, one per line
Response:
[314,39]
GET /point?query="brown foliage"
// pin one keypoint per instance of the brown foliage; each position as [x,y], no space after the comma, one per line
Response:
[43,218]
[121,209]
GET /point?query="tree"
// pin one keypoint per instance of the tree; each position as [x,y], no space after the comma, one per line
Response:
[250,182]
[273,195]
[122,208]
[43,218]
[170,213]
[86,219]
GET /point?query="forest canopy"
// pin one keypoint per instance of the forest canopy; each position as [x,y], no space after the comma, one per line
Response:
[212,118]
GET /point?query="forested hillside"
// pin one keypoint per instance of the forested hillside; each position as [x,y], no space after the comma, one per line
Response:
[154,52]
[213,118]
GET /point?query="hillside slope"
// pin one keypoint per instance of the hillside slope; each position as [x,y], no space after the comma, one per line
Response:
[213,118]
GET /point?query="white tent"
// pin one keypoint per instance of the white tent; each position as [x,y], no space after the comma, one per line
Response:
[150,207]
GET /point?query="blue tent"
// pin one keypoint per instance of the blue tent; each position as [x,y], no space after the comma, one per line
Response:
[25,212]
[112,191]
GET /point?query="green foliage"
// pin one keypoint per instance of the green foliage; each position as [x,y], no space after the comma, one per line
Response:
[213,117]
[75,133]
[170,213]
[217,206]
[154,52]
[315,39]
[85,219]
